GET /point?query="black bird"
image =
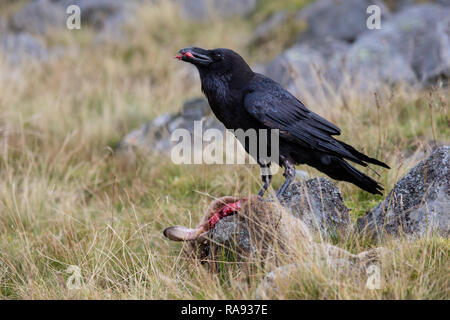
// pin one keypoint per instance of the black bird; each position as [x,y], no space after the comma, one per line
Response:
[241,98]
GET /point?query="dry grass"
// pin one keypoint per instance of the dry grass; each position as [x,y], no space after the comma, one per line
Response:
[67,199]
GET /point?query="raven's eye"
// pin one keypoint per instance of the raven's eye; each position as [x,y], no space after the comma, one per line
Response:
[218,56]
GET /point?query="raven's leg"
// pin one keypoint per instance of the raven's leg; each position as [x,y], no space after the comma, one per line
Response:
[289,173]
[266,177]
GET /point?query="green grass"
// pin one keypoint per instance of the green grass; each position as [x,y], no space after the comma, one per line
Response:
[67,198]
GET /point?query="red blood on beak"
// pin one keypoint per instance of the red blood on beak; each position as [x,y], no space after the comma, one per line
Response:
[183,54]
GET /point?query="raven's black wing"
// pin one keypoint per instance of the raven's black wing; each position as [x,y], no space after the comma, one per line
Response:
[276,108]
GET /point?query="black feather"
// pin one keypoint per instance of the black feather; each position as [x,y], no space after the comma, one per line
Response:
[242,99]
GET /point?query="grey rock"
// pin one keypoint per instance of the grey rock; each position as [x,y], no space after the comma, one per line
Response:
[3,26]
[298,68]
[195,109]
[194,10]
[105,15]
[39,16]
[413,48]
[154,136]
[178,122]
[313,66]
[21,47]
[439,65]
[422,34]
[403,4]
[336,260]
[328,47]
[269,25]
[334,53]
[419,203]
[339,19]
[318,203]
[444,2]
[259,67]
[207,9]
[162,120]
[418,36]
[231,232]
[372,62]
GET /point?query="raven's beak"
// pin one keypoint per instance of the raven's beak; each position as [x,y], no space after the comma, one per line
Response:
[194,55]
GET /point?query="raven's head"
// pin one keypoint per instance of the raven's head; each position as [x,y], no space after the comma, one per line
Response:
[216,60]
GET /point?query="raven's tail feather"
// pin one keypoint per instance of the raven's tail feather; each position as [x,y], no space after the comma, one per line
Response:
[341,170]
[362,156]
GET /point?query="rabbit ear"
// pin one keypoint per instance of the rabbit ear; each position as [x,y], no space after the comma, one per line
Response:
[180,233]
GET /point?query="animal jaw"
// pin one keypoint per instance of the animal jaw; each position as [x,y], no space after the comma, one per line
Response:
[217,210]
[269,227]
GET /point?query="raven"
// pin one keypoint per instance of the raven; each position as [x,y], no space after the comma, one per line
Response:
[243,99]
